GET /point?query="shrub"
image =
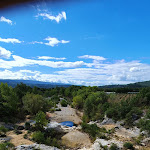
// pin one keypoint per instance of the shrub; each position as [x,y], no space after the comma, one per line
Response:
[92,129]
[144,125]
[128,145]
[38,137]
[113,147]
[3,129]
[40,120]
[148,114]
[6,146]
[64,103]
[27,126]
[25,136]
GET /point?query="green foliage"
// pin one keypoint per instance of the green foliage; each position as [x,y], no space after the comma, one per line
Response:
[38,137]
[9,101]
[40,120]
[27,126]
[113,147]
[33,103]
[144,124]
[78,102]
[92,104]
[92,129]
[113,113]
[3,130]
[52,142]
[64,103]
[148,114]
[55,99]
[133,115]
[128,145]
[6,146]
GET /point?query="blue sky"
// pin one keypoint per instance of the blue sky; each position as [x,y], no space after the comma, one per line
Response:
[83,43]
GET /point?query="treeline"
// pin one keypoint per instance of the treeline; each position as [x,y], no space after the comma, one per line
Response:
[16,103]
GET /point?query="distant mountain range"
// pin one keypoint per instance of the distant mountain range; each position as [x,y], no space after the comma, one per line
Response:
[40,84]
[131,85]
[33,83]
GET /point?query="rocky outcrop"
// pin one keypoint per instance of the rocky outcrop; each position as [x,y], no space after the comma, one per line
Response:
[76,139]
[35,146]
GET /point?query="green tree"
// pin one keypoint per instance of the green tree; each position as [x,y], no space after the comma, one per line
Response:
[41,120]
[33,103]
[78,102]
[9,99]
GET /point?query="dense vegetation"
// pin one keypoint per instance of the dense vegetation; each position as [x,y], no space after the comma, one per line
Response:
[94,102]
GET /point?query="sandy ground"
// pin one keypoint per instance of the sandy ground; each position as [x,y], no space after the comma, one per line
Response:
[19,139]
[76,139]
[66,114]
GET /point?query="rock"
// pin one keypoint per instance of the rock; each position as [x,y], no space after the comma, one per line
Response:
[9,126]
[53,125]
[20,128]
[75,139]
[18,132]
[35,146]
[2,135]
[146,141]
[5,139]
[107,121]
[108,143]
[32,122]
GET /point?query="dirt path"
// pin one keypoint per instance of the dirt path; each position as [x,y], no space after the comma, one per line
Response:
[66,114]
[19,139]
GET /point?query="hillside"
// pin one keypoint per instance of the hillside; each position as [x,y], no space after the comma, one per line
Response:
[33,83]
[131,85]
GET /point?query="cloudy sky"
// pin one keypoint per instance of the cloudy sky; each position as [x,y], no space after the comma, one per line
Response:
[83,43]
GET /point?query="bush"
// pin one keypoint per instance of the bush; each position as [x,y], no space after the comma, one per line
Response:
[27,126]
[38,137]
[113,147]
[128,145]
[6,146]
[92,129]
[64,103]
[148,114]
[52,142]
[3,129]
[144,125]
[40,120]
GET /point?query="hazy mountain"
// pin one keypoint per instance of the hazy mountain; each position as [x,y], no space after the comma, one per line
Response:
[33,83]
[131,85]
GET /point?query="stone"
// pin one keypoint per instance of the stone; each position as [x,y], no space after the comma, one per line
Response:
[20,128]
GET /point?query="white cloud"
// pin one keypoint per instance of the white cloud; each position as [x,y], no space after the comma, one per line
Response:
[22,62]
[117,72]
[10,40]
[3,19]
[36,42]
[47,57]
[57,18]
[4,53]
[54,41]
[92,57]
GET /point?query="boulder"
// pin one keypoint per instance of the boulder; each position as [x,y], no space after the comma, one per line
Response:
[9,126]
[20,128]
[5,139]
[76,139]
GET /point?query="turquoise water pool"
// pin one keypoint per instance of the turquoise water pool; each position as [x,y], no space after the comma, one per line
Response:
[67,123]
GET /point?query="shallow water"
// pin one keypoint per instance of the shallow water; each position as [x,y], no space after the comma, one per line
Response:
[67,123]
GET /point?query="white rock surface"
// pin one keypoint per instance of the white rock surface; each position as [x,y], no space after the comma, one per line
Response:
[35,146]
